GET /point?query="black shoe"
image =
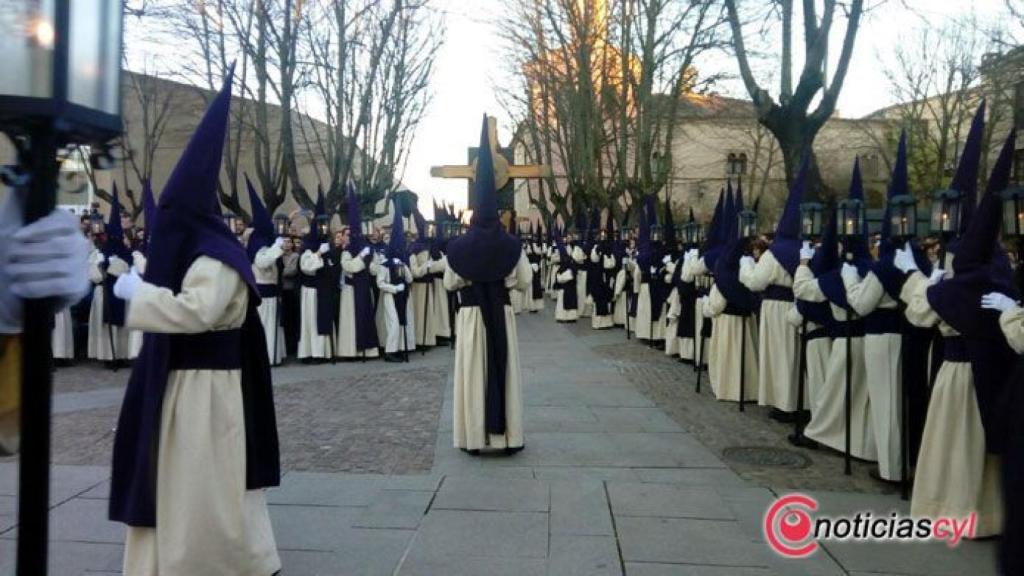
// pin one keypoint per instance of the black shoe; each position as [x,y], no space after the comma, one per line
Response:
[802,442]
[781,416]
[393,358]
[512,450]
[470,452]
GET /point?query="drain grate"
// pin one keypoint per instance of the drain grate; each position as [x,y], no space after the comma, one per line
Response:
[766,456]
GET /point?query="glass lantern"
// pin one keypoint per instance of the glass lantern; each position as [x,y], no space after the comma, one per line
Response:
[62,59]
[693,233]
[811,216]
[96,223]
[903,217]
[281,224]
[230,220]
[656,233]
[850,217]
[746,224]
[1013,213]
[323,225]
[946,211]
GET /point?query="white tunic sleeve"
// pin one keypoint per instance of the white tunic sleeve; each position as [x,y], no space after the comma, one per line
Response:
[267,257]
[805,285]
[564,277]
[1012,323]
[95,272]
[914,295]
[766,272]
[116,266]
[521,276]
[865,296]
[310,262]
[715,304]
[139,262]
[352,265]
[452,281]
[208,300]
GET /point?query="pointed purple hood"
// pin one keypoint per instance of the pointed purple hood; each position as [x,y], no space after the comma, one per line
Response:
[785,246]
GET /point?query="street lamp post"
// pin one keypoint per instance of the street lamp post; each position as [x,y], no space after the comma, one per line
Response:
[62,87]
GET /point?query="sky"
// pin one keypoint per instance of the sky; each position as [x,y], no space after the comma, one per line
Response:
[468,76]
[465,83]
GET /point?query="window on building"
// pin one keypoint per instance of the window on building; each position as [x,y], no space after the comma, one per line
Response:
[871,166]
[736,164]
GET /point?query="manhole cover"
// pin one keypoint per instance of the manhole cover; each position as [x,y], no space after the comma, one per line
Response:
[766,456]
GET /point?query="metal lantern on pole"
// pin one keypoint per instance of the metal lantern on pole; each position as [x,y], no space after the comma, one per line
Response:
[62,86]
[746,224]
[1013,213]
[96,224]
[282,224]
[655,233]
[903,217]
[693,233]
[811,216]
[850,217]
[323,226]
[946,210]
[230,220]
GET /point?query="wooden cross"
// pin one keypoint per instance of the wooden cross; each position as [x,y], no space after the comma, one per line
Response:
[503,170]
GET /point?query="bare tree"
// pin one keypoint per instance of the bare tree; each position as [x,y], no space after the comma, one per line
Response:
[790,117]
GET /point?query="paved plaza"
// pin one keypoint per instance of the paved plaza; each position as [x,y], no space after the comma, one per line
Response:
[626,471]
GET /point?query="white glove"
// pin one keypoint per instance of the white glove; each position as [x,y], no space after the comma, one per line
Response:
[849,273]
[324,248]
[937,276]
[399,288]
[279,242]
[127,284]
[396,261]
[692,254]
[100,257]
[535,267]
[654,269]
[746,261]
[806,251]
[666,259]
[904,259]
[48,258]
[997,301]
[364,252]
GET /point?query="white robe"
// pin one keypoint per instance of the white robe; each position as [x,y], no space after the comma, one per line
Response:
[207,522]
[347,347]
[135,336]
[670,318]
[561,314]
[778,360]
[883,362]
[264,267]
[392,336]
[584,304]
[726,349]
[439,299]
[311,343]
[426,321]
[620,302]
[63,340]
[828,424]
[647,328]
[599,322]
[815,361]
[696,271]
[954,475]
[101,334]
[470,371]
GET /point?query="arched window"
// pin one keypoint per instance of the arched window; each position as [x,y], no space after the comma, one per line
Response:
[736,164]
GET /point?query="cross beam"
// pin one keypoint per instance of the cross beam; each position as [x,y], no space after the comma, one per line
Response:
[503,171]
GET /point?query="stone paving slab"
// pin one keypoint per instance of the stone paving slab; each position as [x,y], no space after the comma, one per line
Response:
[573,555]
[653,569]
[580,507]
[402,509]
[676,540]
[667,501]
[450,534]
[508,495]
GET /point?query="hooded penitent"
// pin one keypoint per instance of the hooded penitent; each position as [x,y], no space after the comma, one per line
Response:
[325,281]
[313,240]
[727,268]
[422,237]
[113,307]
[891,277]
[485,255]
[362,291]
[262,226]
[669,233]
[855,250]
[397,257]
[981,266]
[189,227]
[965,180]
[826,258]
[785,246]
[718,234]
